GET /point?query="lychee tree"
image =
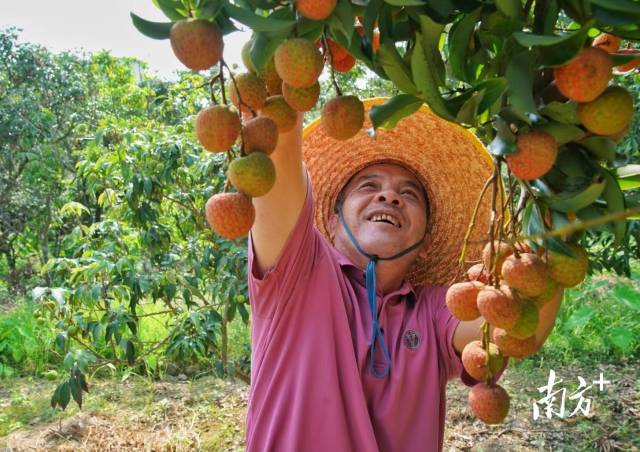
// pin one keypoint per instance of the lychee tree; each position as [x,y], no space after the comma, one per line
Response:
[533,79]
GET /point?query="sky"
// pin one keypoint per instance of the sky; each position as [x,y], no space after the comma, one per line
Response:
[95,25]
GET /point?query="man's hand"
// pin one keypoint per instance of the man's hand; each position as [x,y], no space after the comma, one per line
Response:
[470,331]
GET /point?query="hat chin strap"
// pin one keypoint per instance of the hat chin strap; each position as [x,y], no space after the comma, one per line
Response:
[370,281]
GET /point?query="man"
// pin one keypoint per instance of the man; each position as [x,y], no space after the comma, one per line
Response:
[353,343]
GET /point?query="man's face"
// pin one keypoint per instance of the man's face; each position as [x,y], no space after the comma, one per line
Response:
[385,208]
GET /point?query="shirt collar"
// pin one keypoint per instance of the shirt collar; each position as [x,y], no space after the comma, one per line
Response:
[358,275]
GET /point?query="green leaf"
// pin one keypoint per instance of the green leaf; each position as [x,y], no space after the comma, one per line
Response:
[170,8]
[492,90]
[76,390]
[131,353]
[262,49]
[563,133]
[426,81]
[510,8]
[259,23]
[602,148]
[556,49]
[564,112]
[406,2]
[468,113]
[153,30]
[458,43]
[579,318]
[628,177]
[621,338]
[64,396]
[431,35]
[341,21]
[393,65]
[74,208]
[519,73]
[504,142]
[614,198]
[393,110]
[572,201]
[622,6]
[623,58]
[627,295]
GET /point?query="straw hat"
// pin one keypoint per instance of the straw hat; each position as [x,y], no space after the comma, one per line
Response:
[450,162]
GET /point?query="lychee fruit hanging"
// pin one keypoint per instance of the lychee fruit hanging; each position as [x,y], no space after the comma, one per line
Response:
[461,300]
[253,175]
[298,62]
[568,270]
[342,117]
[586,76]
[315,9]
[526,272]
[477,362]
[249,88]
[260,134]
[609,114]
[536,153]
[511,346]
[498,306]
[277,109]
[197,43]
[301,99]
[230,215]
[489,403]
[217,128]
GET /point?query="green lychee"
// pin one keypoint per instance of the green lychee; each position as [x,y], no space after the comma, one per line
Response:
[253,175]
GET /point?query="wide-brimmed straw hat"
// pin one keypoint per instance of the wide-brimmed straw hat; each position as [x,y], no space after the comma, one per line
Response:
[449,161]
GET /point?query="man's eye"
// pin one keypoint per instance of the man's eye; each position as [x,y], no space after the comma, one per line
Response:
[408,192]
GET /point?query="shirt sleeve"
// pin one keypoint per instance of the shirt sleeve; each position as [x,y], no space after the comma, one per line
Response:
[446,325]
[268,290]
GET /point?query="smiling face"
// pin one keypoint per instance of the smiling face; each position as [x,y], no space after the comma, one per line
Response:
[385,208]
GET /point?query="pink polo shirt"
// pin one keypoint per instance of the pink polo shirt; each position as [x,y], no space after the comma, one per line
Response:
[311,387]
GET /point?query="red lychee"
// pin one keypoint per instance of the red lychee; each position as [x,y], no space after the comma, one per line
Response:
[586,76]
[342,117]
[536,153]
[217,128]
[197,43]
[498,306]
[461,300]
[490,404]
[230,215]
[511,346]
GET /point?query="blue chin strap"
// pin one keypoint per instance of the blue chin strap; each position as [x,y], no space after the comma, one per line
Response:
[370,281]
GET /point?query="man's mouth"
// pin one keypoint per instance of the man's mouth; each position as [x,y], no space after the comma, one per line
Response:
[386,218]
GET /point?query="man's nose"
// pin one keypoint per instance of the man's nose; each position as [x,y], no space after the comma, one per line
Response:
[390,196]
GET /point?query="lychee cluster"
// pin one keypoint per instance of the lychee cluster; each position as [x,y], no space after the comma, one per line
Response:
[602,109]
[508,288]
[264,102]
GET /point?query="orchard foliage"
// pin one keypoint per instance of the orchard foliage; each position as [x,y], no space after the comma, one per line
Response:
[97,188]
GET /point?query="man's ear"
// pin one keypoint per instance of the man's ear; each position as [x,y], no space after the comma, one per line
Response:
[422,254]
[334,222]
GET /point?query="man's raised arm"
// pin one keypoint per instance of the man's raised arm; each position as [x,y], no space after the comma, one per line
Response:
[278,210]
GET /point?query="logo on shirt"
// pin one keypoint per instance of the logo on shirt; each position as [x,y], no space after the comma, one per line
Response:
[411,339]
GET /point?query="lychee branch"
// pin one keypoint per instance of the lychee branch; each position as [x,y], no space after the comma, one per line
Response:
[494,278]
[472,223]
[583,225]
[327,49]
[235,86]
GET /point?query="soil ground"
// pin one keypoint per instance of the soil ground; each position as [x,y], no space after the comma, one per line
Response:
[208,414]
